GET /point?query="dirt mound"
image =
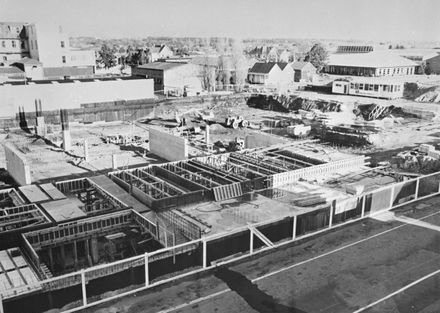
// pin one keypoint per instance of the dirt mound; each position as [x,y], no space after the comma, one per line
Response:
[420,93]
[218,129]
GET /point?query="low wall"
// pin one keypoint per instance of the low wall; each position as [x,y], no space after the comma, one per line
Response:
[168,146]
[70,95]
[17,165]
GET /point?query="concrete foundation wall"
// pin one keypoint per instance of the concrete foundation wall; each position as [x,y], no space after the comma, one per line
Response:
[261,140]
[168,146]
[72,94]
[16,165]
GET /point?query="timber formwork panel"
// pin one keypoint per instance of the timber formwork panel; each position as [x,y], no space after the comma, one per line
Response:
[227,192]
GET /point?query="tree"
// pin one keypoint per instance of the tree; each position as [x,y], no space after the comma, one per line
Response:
[318,56]
[107,56]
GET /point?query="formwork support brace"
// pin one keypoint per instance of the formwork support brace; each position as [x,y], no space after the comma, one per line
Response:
[264,239]
[204,246]
[295,219]
[416,194]
[83,287]
[147,273]
[364,200]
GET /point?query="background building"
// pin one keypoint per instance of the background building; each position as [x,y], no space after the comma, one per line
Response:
[172,78]
[370,64]
[304,71]
[13,42]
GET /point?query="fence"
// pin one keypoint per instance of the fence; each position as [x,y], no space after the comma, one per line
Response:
[170,263]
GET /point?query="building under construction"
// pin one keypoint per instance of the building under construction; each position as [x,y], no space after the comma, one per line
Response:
[65,243]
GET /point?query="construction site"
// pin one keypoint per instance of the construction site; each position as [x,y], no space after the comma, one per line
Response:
[120,198]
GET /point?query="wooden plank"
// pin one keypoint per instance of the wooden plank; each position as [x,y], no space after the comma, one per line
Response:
[33,194]
[52,191]
[4,282]
[16,279]
[29,275]
[6,261]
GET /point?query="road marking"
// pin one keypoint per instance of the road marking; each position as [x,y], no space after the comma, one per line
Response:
[397,291]
[412,221]
[195,301]
[198,300]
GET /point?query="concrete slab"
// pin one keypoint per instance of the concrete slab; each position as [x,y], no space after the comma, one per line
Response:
[52,191]
[113,189]
[33,194]
[62,210]
[168,146]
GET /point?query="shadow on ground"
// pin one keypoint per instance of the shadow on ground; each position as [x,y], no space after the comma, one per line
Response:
[250,292]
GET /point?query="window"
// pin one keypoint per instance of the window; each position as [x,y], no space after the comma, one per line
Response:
[63,59]
[36,46]
[17,29]
[352,85]
[361,86]
[32,44]
[22,45]
[13,44]
[3,44]
[5,58]
[62,44]
[376,87]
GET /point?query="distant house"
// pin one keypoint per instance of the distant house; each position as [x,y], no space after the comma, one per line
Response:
[265,53]
[370,64]
[303,71]
[171,78]
[433,64]
[158,52]
[271,74]
[265,73]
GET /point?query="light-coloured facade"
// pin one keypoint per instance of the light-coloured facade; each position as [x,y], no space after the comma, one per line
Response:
[370,64]
[375,88]
[70,95]
[49,44]
[172,78]
[160,52]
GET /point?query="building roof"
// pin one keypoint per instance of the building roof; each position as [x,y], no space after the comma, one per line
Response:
[262,67]
[377,59]
[8,30]
[27,61]
[161,66]
[67,71]
[282,65]
[298,65]
[10,70]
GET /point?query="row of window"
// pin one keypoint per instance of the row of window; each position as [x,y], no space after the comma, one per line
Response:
[375,87]
[13,43]
[17,29]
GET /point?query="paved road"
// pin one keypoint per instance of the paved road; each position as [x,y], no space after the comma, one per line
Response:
[341,271]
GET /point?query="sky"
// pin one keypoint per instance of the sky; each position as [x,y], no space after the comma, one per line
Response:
[378,20]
